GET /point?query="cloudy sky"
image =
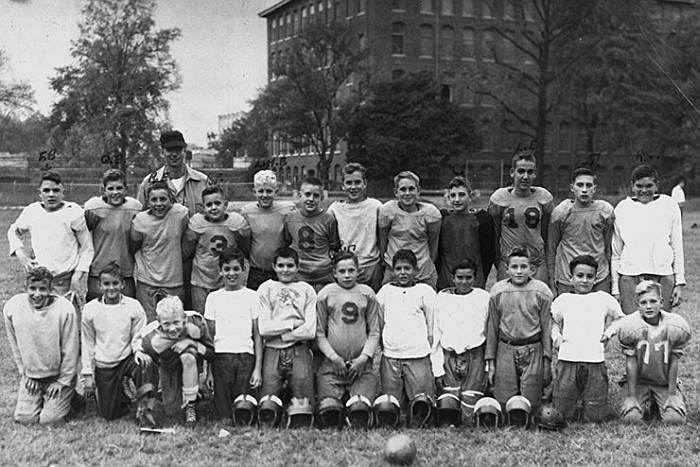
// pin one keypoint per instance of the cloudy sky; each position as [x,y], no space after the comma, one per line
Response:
[221,53]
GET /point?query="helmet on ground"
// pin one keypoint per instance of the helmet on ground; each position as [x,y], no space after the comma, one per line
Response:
[387,411]
[358,411]
[269,411]
[330,413]
[300,413]
[549,418]
[469,399]
[487,413]
[449,408]
[420,411]
[518,410]
[244,409]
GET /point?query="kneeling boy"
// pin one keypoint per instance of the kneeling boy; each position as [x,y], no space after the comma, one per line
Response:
[43,332]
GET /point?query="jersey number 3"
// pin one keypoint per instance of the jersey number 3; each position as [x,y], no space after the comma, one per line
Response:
[532,218]
[350,313]
[217,244]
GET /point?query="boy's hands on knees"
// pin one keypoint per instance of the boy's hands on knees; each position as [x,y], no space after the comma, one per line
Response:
[54,390]
[357,365]
[209,382]
[256,378]
[31,385]
[182,345]
[676,296]
[89,384]
[339,367]
[142,359]
[491,371]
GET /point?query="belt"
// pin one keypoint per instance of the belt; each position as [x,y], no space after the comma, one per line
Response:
[520,342]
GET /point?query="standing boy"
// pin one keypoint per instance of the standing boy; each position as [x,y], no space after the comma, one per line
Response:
[232,315]
[653,342]
[287,323]
[43,334]
[110,323]
[521,216]
[408,317]
[579,333]
[155,239]
[518,334]
[347,333]
[207,235]
[459,235]
[59,238]
[109,219]
[266,220]
[357,224]
[313,234]
[582,226]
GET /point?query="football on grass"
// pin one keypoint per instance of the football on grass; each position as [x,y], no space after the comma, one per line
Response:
[400,449]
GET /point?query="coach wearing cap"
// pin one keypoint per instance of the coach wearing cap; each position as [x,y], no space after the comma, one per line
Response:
[185,182]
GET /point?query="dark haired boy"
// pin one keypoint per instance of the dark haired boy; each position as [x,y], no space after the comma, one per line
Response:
[287,323]
[579,320]
[518,334]
[313,234]
[207,235]
[237,365]
[42,329]
[109,218]
[582,226]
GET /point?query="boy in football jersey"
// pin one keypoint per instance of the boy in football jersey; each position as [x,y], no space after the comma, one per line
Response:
[460,331]
[110,323]
[579,333]
[42,329]
[347,333]
[207,235]
[518,333]
[266,220]
[287,323]
[521,216]
[178,342]
[237,365]
[459,235]
[653,341]
[60,239]
[582,226]
[408,317]
[109,219]
[357,224]
[155,239]
[313,234]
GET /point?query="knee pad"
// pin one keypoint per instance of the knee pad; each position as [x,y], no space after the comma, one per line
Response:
[244,409]
[300,413]
[518,409]
[330,413]
[387,411]
[358,412]
[487,413]
[269,411]
[421,411]
[449,408]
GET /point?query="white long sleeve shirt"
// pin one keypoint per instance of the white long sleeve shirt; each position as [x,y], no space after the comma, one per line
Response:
[648,239]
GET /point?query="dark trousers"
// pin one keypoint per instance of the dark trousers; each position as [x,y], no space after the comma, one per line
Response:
[112,403]
[232,373]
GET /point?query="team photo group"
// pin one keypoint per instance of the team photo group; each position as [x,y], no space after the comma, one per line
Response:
[172,307]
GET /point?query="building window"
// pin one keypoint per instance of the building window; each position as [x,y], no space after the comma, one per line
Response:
[446,92]
[319,10]
[336,11]
[397,74]
[426,41]
[487,9]
[398,31]
[468,8]
[447,7]
[468,43]
[488,48]
[427,6]
[468,97]
[564,137]
[295,25]
[398,5]
[447,39]
[303,17]
[361,6]
[289,31]
[348,8]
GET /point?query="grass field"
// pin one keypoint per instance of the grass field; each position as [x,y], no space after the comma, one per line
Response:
[91,441]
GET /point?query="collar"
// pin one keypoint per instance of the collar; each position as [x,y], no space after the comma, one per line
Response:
[190,174]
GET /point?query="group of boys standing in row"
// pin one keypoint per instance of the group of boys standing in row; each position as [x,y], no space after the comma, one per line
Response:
[282,295]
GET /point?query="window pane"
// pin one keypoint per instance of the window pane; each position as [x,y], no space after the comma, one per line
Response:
[426,6]
[447,7]
[398,5]
[487,9]
[489,45]
[467,7]
[447,36]
[426,41]
[468,42]
[397,38]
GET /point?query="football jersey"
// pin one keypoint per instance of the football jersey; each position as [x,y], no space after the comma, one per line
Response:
[575,231]
[157,344]
[520,219]
[357,227]
[652,345]
[281,304]
[313,238]
[110,233]
[519,313]
[159,260]
[266,231]
[212,239]
[409,230]
[459,240]
[347,321]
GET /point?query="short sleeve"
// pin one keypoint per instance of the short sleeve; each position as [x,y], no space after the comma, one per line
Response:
[386,215]
[432,214]
[678,335]
[254,306]
[209,308]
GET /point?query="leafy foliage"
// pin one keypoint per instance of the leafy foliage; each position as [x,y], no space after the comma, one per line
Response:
[247,136]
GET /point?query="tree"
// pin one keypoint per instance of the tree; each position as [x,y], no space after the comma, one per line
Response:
[112,97]
[247,136]
[14,96]
[308,103]
[407,124]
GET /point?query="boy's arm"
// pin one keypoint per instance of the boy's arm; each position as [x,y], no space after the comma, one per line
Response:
[12,337]
[86,250]
[612,318]
[258,349]
[616,251]
[333,236]
[70,349]
[544,222]
[243,241]
[135,239]
[373,327]
[437,356]
[211,324]
[286,235]
[608,235]
[434,239]
[87,337]
[632,369]
[14,238]
[553,239]
[383,229]
[321,328]
[307,330]
[492,323]
[546,326]
[271,327]
[557,325]
[673,360]
[189,243]
[496,212]
[678,256]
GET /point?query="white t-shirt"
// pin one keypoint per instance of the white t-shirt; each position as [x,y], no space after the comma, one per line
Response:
[579,320]
[357,227]
[233,311]
[177,183]
[461,319]
[678,195]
